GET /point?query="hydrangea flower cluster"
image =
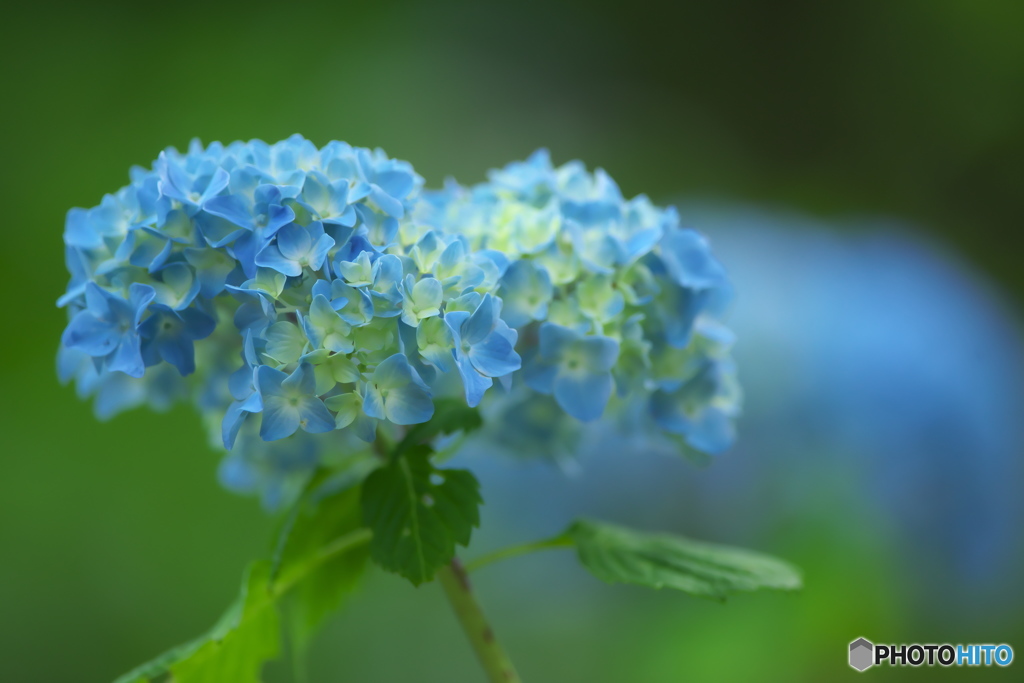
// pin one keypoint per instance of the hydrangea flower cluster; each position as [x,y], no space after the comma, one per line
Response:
[305,298]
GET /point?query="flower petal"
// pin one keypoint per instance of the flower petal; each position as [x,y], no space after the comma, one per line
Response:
[280,418]
[584,396]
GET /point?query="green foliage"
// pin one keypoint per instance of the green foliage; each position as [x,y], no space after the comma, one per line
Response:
[233,650]
[450,416]
[237,649]
[618,555]
[320,588]
[418,513]
[409,516]
[319,558]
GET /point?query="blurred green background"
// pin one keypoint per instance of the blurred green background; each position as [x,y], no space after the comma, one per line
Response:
[116,540]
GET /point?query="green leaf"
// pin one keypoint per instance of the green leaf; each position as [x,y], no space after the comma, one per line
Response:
[450,416]
[322,589]
[235,649]
[618,555]
[320,556]
[161,665]
[418,513]
[321,487]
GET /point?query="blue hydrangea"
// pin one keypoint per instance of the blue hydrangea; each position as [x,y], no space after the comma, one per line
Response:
[306,299]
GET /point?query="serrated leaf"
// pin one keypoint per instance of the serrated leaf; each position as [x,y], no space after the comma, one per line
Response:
[616,554]
[450,416]
[322,485]
[248,634]
[319,520]
[162,664]
[418,513]
[240,647]
[235,649]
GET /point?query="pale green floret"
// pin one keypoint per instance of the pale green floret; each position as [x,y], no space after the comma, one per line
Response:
[378,335]
[358,273]
[285,342]
[422,301]
[455,273]
[566,313]
[176,288]
[636,283]
[179,227]
[535,229]
[334,333]
[434,340]
[426,252]
[347,406]
[599,300]
[561,262]
[269,281]
[410,232]
[466,302]
[332,369]
[358,309]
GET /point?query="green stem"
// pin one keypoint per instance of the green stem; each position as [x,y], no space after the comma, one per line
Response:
[488,650]
[562,541]
[340,545]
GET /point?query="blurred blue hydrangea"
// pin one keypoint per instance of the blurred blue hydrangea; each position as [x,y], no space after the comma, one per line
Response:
[883,384]
[307,298]
[877,358]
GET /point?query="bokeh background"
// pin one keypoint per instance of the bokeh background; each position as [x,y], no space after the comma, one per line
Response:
[858,167]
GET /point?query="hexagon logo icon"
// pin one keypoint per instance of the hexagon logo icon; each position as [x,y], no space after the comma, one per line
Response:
[862,654]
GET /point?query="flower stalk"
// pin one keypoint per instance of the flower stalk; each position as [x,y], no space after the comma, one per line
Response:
[492,656]
[560,541]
